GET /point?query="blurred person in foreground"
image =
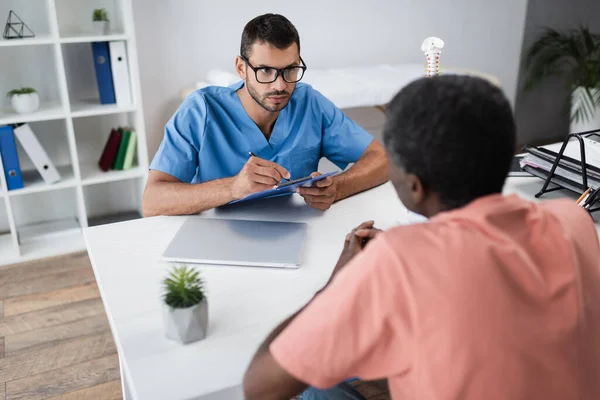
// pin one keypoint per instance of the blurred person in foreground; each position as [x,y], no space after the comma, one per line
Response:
[494,297]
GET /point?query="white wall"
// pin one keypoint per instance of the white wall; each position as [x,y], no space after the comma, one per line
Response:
[180,40]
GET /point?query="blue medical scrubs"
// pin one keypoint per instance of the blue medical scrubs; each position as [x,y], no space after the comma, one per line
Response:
[210,135]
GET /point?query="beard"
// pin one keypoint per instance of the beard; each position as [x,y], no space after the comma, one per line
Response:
[261,101]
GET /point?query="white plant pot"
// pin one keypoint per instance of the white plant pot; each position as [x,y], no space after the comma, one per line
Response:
[186,325]
[25,103]
[584,125]
[101,27]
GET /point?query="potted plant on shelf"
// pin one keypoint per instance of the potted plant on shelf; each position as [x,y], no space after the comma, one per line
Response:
[185,307]
[100,18]
[574,56]
[24,100]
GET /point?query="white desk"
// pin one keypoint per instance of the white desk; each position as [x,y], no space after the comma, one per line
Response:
[244,303]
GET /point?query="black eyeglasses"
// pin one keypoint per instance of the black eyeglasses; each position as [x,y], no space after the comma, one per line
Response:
[291,74]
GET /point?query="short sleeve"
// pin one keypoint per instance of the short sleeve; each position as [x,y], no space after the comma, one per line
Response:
[359,326]
[344,141]
[177,154]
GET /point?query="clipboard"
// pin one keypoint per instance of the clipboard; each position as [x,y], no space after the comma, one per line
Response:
[285,188]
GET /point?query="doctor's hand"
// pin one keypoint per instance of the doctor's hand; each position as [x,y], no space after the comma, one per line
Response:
[320,196]
[258,174]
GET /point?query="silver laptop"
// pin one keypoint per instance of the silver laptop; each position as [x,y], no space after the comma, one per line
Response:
[238,242]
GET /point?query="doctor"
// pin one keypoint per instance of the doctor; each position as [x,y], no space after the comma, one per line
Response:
[203,160]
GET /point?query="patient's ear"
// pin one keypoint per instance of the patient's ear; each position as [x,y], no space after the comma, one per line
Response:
[416,189]
[240,67]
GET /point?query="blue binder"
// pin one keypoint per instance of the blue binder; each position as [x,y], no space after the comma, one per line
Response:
[10,158]
[103,69]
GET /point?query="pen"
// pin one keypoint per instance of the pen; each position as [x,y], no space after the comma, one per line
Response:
[587,199]
[591,199]
[583,196]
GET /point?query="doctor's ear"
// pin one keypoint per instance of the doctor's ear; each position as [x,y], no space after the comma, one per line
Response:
[240,67]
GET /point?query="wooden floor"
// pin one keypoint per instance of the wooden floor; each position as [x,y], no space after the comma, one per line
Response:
[55,341]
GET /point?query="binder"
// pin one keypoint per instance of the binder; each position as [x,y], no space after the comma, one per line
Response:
[131,145]
[103,70]
[36,153]
[110,150]
[10,158]
[118,164]
[120,72]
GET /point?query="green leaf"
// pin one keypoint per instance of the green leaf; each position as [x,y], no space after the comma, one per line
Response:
[23,90]
[100,14]
[585,104]
[183,287]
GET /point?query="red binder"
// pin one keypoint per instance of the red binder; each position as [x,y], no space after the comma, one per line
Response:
[110,149]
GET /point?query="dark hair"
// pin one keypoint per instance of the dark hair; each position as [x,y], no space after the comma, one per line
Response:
[274,29]
[456,133]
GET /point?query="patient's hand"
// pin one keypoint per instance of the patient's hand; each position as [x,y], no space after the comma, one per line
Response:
[322,195]
[356,242]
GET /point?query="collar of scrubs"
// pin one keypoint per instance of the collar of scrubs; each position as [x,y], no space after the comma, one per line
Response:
[280,129]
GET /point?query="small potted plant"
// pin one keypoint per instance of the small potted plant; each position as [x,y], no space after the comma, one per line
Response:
[185,307]
[100,18]
[24,100]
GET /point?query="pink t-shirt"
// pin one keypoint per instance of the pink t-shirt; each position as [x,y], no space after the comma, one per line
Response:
[497,300]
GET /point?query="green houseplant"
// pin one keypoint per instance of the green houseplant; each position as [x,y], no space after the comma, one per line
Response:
[574,56]
[185,307]
[24,100]
[101,21]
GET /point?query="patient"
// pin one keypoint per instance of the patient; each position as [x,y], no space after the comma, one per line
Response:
[203,161]
[494,297]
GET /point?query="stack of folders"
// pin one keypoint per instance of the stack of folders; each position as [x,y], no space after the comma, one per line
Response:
[33,148]
[112,72]
[119,150]
[539,161]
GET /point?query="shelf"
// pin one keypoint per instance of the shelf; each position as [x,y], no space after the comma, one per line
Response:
[35,14]
[47,111]
[92,174]
[7,248]
[71,125]
[62,244]
[37,40]
[67,38]
[114,218]
[87,38]
[33,182]
[47,230]
[82,108]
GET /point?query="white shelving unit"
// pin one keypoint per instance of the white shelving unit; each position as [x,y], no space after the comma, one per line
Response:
[41,219]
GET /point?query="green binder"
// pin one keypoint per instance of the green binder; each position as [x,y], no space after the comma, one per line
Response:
[122,150]
[128,163]
[114,160]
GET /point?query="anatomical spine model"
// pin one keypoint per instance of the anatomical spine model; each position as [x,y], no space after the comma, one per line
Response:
[432,47]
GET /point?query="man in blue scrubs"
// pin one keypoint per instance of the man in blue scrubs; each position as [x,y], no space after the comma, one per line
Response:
[204,159]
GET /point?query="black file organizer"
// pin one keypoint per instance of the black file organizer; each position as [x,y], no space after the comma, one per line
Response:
[548,179]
